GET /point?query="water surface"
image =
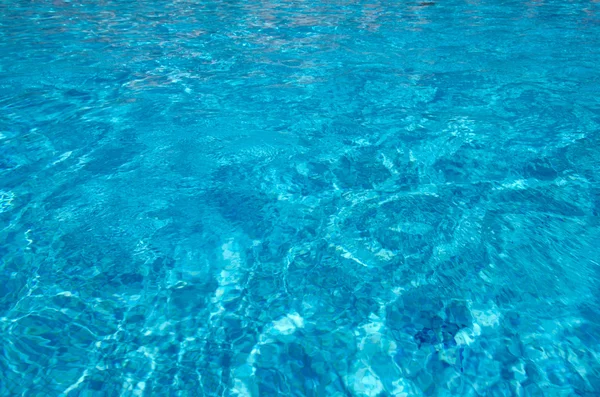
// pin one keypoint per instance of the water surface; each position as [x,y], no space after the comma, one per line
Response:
[309,198]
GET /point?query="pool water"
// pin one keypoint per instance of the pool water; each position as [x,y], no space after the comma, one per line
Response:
[308,198]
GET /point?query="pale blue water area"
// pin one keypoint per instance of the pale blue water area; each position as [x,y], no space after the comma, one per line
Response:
[307,198]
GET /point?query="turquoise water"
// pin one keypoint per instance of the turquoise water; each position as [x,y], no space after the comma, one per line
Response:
[342,198]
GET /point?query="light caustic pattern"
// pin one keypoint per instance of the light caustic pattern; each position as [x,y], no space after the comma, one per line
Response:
[310,198]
